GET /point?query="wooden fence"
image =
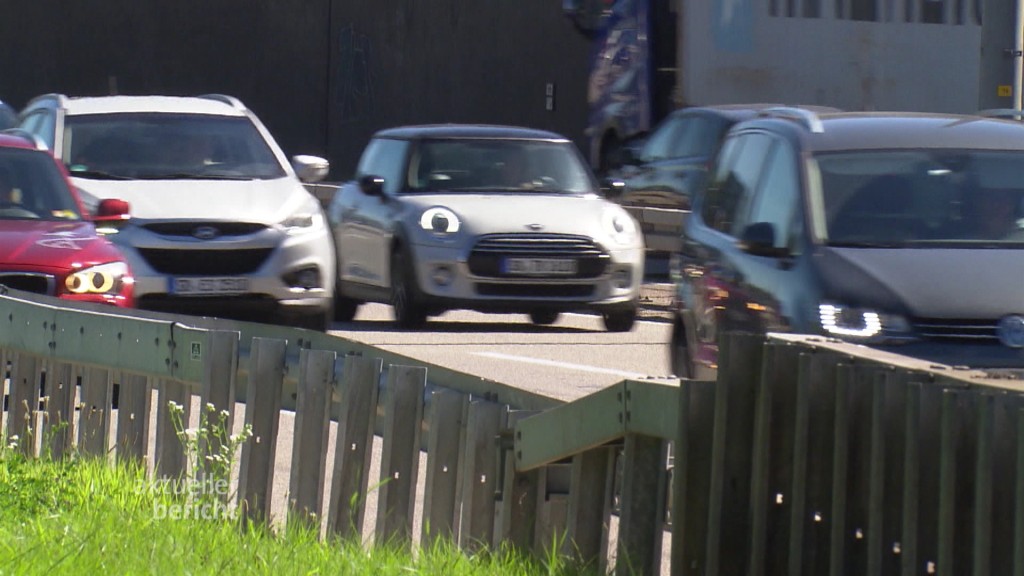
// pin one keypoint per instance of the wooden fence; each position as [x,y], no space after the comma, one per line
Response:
[807,456]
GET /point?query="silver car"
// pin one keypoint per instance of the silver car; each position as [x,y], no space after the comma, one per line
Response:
[487,218]
[220,222]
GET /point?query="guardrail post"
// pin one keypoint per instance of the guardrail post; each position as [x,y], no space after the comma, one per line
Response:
[309,446]
[217,394]
[519,493]
[642,515]
[444,448]
[24,401]
[400,455]
[353,448]
[590,499]
[484,423]
[60,409]
[170,452]
[97,399]
[133,418]
[262,414]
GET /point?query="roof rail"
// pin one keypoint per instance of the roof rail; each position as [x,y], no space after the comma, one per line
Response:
[33,139]
[1006,113]
[806,117]
[229,100]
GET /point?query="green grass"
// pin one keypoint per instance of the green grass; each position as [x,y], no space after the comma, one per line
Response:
[85,516]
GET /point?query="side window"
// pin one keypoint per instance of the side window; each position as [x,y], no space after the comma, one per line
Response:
[660,144]
[778,197]
[385,158]
[698,137]
[40,123]
[734,182]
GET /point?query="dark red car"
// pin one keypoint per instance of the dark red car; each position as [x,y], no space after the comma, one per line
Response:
[48,243]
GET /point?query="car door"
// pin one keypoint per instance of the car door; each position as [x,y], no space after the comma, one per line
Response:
[361,221]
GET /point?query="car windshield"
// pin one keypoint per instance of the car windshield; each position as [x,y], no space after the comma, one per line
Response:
[498,165]
[921,198]
[161,146]
[32,187]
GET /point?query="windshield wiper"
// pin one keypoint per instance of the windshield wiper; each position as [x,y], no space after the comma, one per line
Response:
[191,176]
[97,175]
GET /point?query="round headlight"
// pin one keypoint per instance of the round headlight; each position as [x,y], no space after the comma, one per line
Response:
[439,221]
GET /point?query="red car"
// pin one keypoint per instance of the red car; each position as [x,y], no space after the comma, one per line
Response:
[48,242]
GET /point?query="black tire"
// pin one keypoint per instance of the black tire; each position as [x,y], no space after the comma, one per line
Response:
[408,312]
[344,307]
[679,352]
[619,320]
[544,317]
[610,155]
[319,322]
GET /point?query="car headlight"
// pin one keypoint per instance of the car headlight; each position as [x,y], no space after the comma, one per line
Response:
[620,226]
[107,278]
[862,324]
[439,220]
[306,219]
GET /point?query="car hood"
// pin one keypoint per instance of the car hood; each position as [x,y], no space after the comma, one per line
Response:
[49,245]
[929,282]
[262,201]
[497,213]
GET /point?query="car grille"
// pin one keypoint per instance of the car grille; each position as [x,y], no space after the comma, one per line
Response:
[956,329]
[206,262]
[486,258]
[28,282]
[513,290]
[189,228]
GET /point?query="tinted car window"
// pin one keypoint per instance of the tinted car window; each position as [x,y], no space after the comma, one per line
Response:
[776,201]
[31,186]
[921,196]
[385,157]
[734,182]
[474,165]
[163,145]
[40,123]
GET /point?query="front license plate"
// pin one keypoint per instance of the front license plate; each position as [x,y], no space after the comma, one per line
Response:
[204,286]
[540,266]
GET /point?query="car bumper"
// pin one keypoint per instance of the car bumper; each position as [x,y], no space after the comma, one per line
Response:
[445,281]
[662,227]
[982,355]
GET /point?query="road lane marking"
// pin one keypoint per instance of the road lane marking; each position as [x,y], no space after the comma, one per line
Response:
[557,364]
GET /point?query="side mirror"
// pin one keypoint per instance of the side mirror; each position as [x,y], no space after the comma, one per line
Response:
[613,187]
[310,168]
[111,210]
[372,185]
[759,239]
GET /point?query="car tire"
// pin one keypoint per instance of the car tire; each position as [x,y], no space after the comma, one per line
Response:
[318,322]
[408,312]
[344,307]
[679,352]
[619,320]
[544,317]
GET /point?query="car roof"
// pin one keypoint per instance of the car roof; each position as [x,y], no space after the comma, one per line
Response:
[889,130]
[738,112]
[161,104]
[468,131]
[13,140]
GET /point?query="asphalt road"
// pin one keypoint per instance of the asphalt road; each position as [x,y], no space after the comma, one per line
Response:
[566,360]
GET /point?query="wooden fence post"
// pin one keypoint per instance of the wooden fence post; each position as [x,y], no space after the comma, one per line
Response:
[60,409]
[217,398]
[133,418]
[520,497]
[590,499]
[444,448]
[354,445]
[483,424]
[642,514]
[400,454]
[262,415]
[312,424]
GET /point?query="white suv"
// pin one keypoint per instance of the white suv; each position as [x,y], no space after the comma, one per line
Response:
[221,224]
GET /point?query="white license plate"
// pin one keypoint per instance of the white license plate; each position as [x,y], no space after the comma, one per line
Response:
[199,286]
[540,266]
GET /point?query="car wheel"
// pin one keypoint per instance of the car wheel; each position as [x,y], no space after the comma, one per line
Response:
[344,307]
[408,312]
[679,351]
[620,320]
[544,317]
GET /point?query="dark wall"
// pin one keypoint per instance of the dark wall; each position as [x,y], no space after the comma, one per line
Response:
[323,75]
